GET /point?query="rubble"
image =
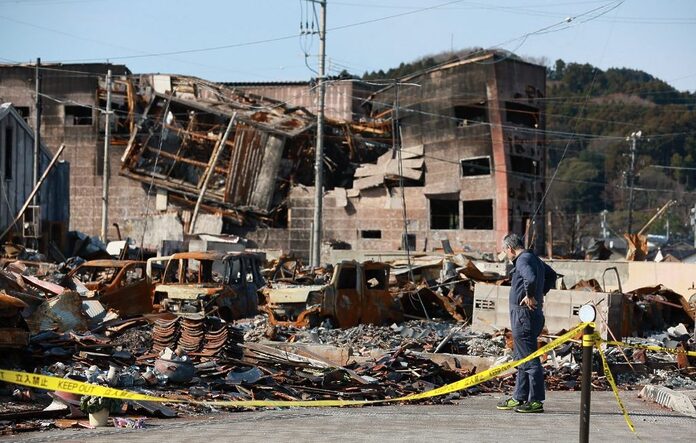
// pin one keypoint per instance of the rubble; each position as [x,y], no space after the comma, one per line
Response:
[356,350]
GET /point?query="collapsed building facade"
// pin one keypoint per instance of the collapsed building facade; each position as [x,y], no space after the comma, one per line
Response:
[470,167]
[472,162]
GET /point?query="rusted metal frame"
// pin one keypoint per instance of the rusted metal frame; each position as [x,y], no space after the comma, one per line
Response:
[240,175]
[239,136]
[250,168]
[254,165]
[229,110]
[236,175]
[183,160]
[184,142]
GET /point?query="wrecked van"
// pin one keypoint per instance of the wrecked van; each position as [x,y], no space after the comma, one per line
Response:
[224,284]
[121,285]
[358,293]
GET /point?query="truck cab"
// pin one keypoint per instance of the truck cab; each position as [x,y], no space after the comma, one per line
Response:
[216,283]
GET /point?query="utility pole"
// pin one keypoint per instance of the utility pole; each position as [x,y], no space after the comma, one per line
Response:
[315,253]
[549,235]
[37,126]
[693,222]
[631,177]
[605,232]
[105,167]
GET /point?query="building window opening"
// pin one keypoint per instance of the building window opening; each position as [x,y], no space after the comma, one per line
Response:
[524,165]
[520,114]
[24,112]
[478,214]
[78,116]
[371,234]
[476,166]
[9,148]
[408,242]
[466,114]
[444,214]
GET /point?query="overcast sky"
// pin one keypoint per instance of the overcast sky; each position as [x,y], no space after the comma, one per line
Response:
[259,40]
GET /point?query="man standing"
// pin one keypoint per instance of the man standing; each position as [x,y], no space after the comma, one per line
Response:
[527,321]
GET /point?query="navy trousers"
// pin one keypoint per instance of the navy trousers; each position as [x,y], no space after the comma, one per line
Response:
[526,327]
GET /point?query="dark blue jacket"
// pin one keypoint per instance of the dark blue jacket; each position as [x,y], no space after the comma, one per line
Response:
[527,276]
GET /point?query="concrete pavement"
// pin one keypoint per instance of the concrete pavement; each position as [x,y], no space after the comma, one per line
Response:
[473,419]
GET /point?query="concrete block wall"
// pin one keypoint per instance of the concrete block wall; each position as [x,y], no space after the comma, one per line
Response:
[84,144]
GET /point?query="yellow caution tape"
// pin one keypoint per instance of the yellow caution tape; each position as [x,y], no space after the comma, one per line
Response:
[588,340]
[610,379]
[494,372]
[650,348]
[52,383]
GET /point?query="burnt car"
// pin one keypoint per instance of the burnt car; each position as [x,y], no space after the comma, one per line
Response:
[14,332]
[357,293]
[223,284]
[121,285]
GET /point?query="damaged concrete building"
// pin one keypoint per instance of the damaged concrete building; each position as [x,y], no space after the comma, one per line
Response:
[72,96]
[471,162]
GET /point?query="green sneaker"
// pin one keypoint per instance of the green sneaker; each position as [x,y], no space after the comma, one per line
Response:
[510,403]
[532,406]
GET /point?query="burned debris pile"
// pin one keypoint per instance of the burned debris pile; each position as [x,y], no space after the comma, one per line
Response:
[209,326]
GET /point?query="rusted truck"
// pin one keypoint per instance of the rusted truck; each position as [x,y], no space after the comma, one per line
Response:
[224,284]
[121,285]
[357,293]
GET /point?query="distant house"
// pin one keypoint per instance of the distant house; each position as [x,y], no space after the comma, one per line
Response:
[16,183]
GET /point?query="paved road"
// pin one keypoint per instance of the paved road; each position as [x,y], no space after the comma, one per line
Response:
[473,419]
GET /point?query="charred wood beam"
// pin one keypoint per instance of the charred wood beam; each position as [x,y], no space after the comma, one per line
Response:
[186,160]
[184,142]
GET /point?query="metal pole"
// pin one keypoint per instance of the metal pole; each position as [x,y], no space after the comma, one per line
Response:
[605,232]
[585,395]
[693,227]
[549,235]
[631,179]
[315,254]
[37,125]
[210,171]
[105,167]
